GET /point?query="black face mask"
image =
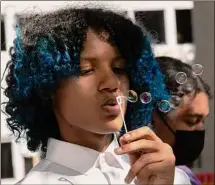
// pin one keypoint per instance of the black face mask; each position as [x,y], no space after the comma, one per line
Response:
[188,145]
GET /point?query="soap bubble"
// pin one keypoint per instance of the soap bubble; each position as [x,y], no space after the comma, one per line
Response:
[197,69]
[145,98]
[181,77]
[164,106]
[132,96]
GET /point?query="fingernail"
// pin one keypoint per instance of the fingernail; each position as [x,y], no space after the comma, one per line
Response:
[127,137]
[118,150]
[127,180]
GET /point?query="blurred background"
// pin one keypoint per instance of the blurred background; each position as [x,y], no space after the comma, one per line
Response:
[183,29]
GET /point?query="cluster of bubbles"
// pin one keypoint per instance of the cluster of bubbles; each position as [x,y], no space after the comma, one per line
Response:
[181,77]
[145,98]
[164,105]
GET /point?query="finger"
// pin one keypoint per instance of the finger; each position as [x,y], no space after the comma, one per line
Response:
[157,171]
[132,158]
[140,133]
[142,145]
[122,141]
[142,178]
[143,161]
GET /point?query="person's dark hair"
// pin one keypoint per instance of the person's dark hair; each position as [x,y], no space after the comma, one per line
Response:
[46,50]
[170,67]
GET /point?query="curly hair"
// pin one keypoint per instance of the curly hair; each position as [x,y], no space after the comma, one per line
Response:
[47,49]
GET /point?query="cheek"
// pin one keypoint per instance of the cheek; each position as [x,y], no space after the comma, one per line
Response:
[86,84]
[68,96]
[124,84]
[181,125]
[65,101]
[77,96]
[174,119]
[71,106]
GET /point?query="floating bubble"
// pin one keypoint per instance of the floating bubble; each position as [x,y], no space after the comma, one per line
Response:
[181,77]
[132,96]
[164,106]
[197,69]
[175,101]
[145,98]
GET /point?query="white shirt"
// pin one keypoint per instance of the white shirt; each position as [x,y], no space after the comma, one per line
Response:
[67,163]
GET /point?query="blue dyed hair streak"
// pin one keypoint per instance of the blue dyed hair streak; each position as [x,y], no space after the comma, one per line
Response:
[48,61]
[145,76]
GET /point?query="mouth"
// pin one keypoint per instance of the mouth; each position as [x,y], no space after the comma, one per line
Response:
[111,107]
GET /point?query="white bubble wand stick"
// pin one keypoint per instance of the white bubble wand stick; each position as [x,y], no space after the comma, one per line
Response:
[119,101]
[132,97]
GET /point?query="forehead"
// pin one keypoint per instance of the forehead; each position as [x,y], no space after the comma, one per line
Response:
[198,105]
[97,44]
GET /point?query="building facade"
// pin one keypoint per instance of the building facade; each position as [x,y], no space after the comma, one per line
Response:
[170,23]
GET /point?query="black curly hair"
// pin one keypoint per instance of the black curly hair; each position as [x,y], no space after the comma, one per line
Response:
[46,50]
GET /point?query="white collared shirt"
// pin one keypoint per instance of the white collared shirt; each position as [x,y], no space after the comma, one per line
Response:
[67,163]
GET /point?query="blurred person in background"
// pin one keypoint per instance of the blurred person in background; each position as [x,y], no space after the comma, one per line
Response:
[183,126]
[67,68]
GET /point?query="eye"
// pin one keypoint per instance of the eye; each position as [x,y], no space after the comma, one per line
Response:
[119,70]
[86,71]
[190,123]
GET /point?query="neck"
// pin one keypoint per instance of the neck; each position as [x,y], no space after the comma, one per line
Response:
[76,135]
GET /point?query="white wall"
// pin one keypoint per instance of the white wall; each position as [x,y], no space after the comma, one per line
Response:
[203,22]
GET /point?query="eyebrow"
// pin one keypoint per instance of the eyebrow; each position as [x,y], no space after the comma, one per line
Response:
[196,115]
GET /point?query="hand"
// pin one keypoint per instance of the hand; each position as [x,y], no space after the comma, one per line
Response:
[152,161]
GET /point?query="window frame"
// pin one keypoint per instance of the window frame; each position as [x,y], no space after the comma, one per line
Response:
[162,11]
[3,33]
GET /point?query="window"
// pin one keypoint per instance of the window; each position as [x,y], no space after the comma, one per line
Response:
[154,23]
[6,161]
[184,26]
[28,164]
[3,44]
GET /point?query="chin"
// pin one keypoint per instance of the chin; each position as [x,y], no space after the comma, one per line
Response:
[107,125]
[113,126]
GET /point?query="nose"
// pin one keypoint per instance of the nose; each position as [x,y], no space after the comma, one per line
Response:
[109,82]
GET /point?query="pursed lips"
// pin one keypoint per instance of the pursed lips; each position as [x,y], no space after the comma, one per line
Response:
[111,107]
